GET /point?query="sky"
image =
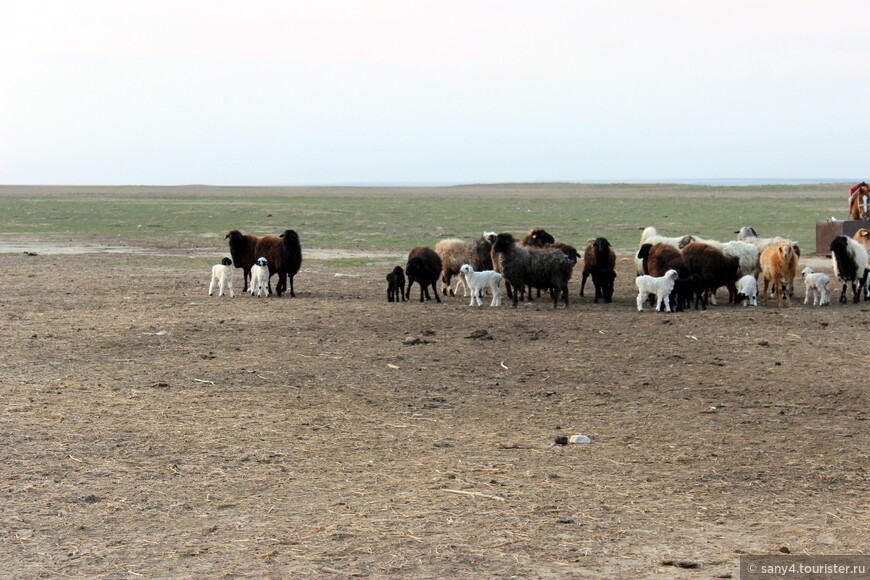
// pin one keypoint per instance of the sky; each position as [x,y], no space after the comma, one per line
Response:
[310,92]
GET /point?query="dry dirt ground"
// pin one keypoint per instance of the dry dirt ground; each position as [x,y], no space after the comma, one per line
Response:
[152,431]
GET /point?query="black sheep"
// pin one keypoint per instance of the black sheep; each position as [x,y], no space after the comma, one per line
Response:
[396,285]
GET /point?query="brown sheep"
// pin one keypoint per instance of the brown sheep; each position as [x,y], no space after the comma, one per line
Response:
[455,252]
[778,268]
[599,261]
[715,267]
[659,258]
[284,255]
[242,250]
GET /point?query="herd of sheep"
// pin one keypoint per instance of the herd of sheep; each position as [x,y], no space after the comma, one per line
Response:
[673,273]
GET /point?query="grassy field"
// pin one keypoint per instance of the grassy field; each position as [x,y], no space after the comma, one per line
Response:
[399,218]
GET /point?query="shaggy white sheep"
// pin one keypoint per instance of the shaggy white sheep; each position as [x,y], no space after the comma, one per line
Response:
[817,287]
[222,276]
[661,287]
[477,281]
[260,277]
[747,290]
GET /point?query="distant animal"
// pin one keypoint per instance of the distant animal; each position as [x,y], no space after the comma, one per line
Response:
[859,203]
[661,286]
[778,270]
[816,286]
[599,261]
[477,281]
[260,277]
[396,285]
[747,290]
[424,268]
[222,277]
[850,266]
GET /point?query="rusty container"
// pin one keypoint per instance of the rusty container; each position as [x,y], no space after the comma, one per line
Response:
[829,229]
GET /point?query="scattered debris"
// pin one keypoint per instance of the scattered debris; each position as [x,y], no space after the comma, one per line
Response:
[158,333]
[515,446]
[480,335]
[412,341]
[475,494]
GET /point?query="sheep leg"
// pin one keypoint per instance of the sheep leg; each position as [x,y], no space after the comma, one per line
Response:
[641,298]
[211,287]
[583,283]
[496,296]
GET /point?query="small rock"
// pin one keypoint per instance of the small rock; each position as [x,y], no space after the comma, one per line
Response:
[561,440]
[581,439]
[785,550]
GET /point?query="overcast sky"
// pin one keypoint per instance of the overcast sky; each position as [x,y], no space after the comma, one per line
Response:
[322,91]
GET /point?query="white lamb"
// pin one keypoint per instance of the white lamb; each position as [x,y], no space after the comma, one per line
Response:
[817,287]
[222,275]
[747,290]
[477,281]
[260,277]
[661,287]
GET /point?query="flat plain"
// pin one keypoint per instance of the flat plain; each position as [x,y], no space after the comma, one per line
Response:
[153,431]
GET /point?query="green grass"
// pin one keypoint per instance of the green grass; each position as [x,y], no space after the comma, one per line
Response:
[385,219]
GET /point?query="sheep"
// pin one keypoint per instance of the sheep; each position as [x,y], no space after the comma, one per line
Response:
[477,281]
[222,276]
[689,290]
[661,286]
[396,285]
[706,260]
[778,269]
[423,267]
[746,253]
[540,238]
[455,252]
[260,277]
[863,236]
[656,259]
[816,286]
[284,254]
[242,250]
[850,265]
[651,236]
[747,290]
[547,268]
[748,234]
[599,261]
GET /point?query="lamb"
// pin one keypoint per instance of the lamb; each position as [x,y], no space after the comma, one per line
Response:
[222,276]
[260,277]
[284,255]
[455,252]
[423,267]
[661,286]
[546,268]
[816,286]
[599,261]
[242,250]
[651,236]
[778,269]
[747,290]
[396,285]
[706,260]
[850,265]
[477,281]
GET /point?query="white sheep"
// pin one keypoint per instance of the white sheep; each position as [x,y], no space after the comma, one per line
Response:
[260,277]
[222,275]
[661,287]
[478,281]
[817,287]
[747,290]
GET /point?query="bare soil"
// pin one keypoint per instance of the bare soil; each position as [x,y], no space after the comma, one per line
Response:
[152,431]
